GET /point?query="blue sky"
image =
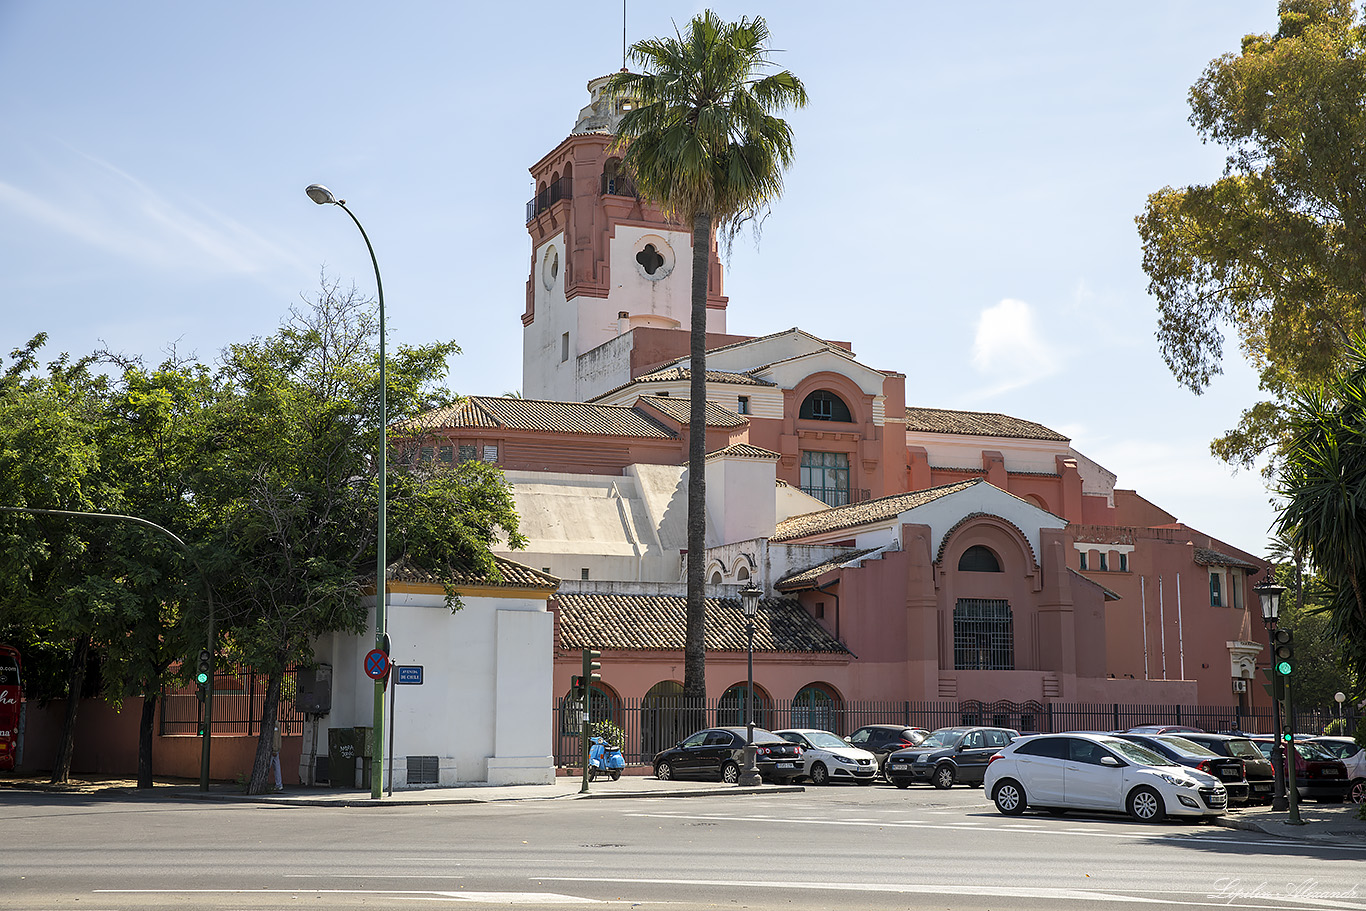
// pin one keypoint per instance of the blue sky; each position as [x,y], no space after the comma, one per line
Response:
[961,208]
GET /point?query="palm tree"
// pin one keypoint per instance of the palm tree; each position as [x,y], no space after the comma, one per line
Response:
[1323,482]
[705,145]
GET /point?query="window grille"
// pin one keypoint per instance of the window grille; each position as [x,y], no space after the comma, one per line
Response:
[983,635]
[490,453]
[1215,600]
[423,770]
[825,476]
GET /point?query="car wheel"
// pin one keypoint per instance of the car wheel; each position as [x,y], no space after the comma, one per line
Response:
[819,775]
[902,783]
[664,771]
[1009,797]
[616,774]
[1358,792]
[730,773]
[1145,805]
[943,777]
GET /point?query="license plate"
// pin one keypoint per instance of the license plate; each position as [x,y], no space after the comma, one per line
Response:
[898,765]
[785,765]
[1329,773]
[1230,774]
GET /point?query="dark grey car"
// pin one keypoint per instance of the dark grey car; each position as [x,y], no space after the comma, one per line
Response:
[949,756]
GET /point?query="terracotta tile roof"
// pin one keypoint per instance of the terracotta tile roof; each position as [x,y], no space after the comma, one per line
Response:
[977,423]
[676,374]
[880,510]
[806,578]
[744,451]
[1206,557]
[657,622]
[545,416]
[511,574]
[678,409]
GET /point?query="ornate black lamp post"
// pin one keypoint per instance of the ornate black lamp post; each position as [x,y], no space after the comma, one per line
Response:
[1270,595]
[749,601]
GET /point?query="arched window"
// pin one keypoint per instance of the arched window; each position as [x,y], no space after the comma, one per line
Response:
[664,719]
[823,405]
[716,578]
[602,706]
[742,574]
[731,710]
[978,559]
[814,707]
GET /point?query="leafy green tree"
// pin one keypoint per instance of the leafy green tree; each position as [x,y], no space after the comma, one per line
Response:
[706,145]
[1276,247]
[286,470]
[1323,483]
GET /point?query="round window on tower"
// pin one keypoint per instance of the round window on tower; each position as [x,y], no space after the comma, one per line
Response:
[654,258]
[550,267]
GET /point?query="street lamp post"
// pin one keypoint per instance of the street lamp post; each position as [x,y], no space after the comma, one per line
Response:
[1339,697]
[323,196]
[1270,595]
[749,601]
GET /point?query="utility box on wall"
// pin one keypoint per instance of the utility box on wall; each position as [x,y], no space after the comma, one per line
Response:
[315,690]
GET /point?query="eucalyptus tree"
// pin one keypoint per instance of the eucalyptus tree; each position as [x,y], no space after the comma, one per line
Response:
[705,144]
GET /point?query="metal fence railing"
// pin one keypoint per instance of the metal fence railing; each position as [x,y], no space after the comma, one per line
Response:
[653,724]
[238,700]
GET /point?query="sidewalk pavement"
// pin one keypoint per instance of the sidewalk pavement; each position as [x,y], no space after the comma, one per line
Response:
[1328,823]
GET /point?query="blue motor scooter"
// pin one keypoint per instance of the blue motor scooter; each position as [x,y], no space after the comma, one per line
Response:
[604,760]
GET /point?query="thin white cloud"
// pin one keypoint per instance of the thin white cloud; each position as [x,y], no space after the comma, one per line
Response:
[1008,351]
[97,203]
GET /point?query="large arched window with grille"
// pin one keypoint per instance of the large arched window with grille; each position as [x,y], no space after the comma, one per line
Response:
[978,559]
[602,706]
[983,635]
[731,709]
[665,718]
[824,405]
[815,707]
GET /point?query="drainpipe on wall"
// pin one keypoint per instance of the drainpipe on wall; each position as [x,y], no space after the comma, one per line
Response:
[1180,636]
[1143,600]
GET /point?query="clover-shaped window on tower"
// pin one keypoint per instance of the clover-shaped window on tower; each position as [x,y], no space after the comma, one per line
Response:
[650,259]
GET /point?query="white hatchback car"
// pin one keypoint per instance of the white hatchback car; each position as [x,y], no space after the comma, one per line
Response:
[1060,772]
[827,758]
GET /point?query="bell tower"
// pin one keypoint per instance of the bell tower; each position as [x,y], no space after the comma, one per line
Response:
[602,264]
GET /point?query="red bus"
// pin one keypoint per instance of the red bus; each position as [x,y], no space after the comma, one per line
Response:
[11,699]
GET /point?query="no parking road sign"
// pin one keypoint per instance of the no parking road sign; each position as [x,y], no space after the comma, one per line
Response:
[376,664]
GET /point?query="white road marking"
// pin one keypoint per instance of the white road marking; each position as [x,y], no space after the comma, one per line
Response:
[511,898]
[959,888]
[1023,828]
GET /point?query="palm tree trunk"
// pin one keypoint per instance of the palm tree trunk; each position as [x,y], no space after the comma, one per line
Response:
[694,652]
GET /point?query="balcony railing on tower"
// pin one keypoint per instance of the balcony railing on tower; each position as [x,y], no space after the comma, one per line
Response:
[560,189]
[618,185]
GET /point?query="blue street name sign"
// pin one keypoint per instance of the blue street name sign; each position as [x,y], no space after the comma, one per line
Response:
[410,673]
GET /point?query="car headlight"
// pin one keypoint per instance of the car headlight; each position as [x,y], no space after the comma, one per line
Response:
[1178,781]
[844,759]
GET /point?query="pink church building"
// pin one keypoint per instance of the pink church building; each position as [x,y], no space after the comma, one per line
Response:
[905,553]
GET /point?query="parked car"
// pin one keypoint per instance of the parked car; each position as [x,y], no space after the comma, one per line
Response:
[948,756]
[827,758]
[1164,729]
[1318,776]
[1353,757]
[720,753]
[1261,778]
[882,739]
[1227,769]
[1061,772]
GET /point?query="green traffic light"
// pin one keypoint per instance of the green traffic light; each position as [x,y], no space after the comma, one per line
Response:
[202,679]
[1283,668]
[1288,738]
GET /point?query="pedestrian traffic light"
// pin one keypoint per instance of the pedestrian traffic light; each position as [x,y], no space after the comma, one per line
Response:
[591,668]
[1275,687]
[576,687]
[1283,651]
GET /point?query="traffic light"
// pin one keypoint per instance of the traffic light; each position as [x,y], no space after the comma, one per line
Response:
[576,687]
[1283,651]
[1275,685]
[591,669]
[202,677]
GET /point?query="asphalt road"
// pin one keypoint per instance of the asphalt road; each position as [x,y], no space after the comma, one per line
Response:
[834,847]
